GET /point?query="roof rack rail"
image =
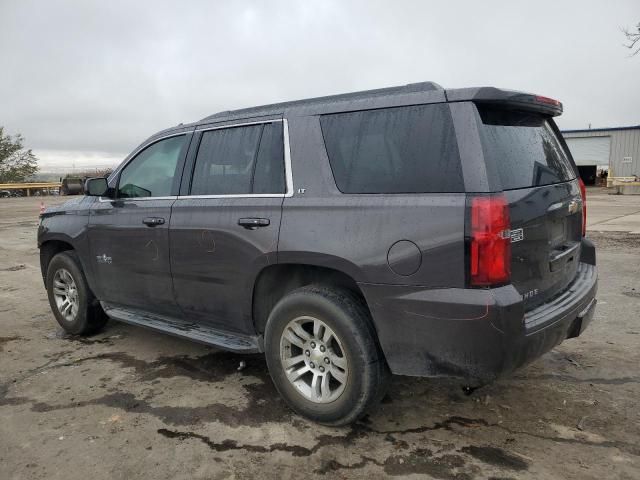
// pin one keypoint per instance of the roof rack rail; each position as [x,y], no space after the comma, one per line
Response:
[422,86]
[404,89]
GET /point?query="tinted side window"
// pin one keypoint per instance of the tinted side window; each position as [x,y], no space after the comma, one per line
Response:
[240,160]
[269,175]
[394,150]
[225,160]
[151,173]
[523,148]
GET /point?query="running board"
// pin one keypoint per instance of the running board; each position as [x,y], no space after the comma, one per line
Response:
[193,331]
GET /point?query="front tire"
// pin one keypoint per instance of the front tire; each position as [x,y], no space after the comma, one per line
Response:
[323,356]
[72,302]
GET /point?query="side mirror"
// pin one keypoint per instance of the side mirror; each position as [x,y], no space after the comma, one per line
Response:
[96,187]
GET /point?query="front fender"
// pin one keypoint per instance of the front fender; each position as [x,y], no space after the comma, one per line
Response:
[63,230]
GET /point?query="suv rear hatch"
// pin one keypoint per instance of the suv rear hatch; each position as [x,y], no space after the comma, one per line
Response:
[525,151]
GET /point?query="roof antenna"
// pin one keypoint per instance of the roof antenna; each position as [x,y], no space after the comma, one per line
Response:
[589,126]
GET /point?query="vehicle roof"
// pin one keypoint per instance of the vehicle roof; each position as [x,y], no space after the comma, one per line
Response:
[428,91]
[279,108]
[405,95]
[410,94]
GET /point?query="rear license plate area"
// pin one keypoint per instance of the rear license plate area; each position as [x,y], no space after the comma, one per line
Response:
[557,231]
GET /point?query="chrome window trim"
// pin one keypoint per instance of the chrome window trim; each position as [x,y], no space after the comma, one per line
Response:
[287,163]
[136,199]
[287,159]
[237,195]
[287,166]
[231,125]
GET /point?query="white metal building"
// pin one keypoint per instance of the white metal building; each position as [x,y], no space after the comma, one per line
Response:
[617,148]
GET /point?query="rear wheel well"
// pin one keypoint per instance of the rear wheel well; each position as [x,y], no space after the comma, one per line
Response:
[275,281]
[50,249]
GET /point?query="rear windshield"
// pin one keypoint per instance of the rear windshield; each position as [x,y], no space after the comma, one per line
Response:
[523,149]
[394,150]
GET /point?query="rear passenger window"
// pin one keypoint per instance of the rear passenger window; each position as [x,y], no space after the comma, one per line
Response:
[240,161]
[224,164]
[394,150]
[269,176]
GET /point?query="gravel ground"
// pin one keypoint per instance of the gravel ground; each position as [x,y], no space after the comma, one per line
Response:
[129,403]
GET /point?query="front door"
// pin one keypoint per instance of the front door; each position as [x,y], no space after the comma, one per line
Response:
[224,230]
[129,234]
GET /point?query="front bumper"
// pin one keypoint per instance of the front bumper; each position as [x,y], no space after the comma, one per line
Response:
[477,335]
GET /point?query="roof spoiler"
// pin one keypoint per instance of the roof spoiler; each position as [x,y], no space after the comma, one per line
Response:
[506,98]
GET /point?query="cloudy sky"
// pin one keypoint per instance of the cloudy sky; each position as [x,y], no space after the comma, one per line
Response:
[86,81]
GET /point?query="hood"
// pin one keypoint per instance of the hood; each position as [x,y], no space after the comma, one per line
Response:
[75,205]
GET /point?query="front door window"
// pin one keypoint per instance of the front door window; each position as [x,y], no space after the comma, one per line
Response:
[152,172]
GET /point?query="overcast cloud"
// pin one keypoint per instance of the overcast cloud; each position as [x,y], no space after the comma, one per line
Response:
[86,81]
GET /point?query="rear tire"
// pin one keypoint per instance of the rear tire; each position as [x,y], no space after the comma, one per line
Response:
[72,302]
[323,355]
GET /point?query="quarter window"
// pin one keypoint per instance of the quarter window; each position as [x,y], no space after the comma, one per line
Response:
[394,150]
[152,172]
[240,161]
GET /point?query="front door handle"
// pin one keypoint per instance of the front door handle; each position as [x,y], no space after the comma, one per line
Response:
[153,221]
[253,223]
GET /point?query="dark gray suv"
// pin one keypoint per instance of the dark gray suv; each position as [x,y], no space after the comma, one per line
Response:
[409,230]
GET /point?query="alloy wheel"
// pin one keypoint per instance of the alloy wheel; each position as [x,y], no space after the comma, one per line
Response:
[65,293]
[313,359]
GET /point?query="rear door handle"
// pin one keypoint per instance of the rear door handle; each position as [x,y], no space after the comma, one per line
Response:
[253,223]
[153,221]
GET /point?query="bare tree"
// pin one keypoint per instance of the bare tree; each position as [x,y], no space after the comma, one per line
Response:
[633,39]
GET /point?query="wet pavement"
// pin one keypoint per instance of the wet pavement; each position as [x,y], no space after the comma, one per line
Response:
[130,403]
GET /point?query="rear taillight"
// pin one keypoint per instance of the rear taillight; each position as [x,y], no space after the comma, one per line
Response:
[583,194]
[489,241]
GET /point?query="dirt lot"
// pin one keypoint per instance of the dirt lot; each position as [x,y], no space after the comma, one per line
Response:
[129,403]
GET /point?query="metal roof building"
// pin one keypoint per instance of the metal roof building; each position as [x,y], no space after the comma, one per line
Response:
[616,147]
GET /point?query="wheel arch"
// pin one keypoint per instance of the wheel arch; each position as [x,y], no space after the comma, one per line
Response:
[274,281]
[49,249]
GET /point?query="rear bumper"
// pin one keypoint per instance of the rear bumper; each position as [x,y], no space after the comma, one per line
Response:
[477,335]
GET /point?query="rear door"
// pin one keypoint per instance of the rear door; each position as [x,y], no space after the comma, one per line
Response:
[224,228]
[525,153]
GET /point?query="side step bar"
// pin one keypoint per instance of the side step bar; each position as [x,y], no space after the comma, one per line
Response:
[193,331]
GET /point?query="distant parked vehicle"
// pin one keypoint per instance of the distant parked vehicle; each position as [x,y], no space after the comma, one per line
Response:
[72,186]
[10,193]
